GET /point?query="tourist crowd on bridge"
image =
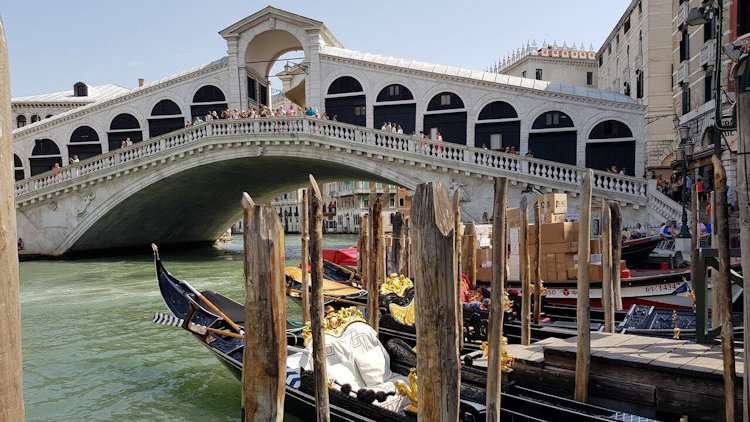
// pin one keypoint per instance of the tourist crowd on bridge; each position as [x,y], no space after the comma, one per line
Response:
[263,111]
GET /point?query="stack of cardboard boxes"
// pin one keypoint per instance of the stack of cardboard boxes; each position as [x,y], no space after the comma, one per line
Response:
[553,207]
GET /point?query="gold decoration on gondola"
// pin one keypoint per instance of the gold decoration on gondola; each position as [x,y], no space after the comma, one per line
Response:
[403,314]
[335,323]
[410,390]
[676,326]
[396,284]
[506,360]
[508,304]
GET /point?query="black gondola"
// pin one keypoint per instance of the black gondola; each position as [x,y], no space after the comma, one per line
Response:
[183,301]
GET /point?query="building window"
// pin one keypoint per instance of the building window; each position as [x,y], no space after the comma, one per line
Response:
[251,89]
[601,61]
[80,89]
[708,92]
[445,99]
[609,49]
[639,85]
[394,90]
[552,119]
[35,118]
[743,18]
[685,46]
[539,74]
[523,74]
[496,141]
[359,110]
[20,121]
[626,26]
[709,30]
[640,8]
[685,101]
[617,39]
[589,78]
[392,202]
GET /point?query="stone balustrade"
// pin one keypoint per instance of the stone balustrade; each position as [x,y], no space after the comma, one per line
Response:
[661,207]
[458,157]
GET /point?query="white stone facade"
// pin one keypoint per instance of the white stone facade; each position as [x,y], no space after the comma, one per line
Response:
[568,65]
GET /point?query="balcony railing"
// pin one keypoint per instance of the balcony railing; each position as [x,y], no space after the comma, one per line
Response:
[683,71]
[682,13]
[707,56]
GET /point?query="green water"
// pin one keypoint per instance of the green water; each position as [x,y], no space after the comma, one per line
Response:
[91,352]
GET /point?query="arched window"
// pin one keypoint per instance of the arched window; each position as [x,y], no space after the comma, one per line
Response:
[402,114]
[84,143]
[394,92]
[497,135]
[451,126]
[552,119]
[208,99]
[611,143]
[17,167]
[348,105]
[445,101]
[554,145]
[20,121]
[344,85]
[610,129]
[498,110]
[44,156]
[166,117]
[80,89]
[35,118]
[84,134]
[123,126]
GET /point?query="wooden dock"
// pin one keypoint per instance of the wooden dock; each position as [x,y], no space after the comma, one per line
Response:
[656,377]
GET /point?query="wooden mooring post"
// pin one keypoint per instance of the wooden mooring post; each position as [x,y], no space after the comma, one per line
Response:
[264,356]
[616,230]
[363,248]
[722,287]
[538,264]
[438,365]
[469,252]
[407,248]
[695,231]
[376,273]
[497,301]
[583,353]
[305,255]
[11,365]
[316,302]
[457,234]
[525,274]
[397,248]
[608,299]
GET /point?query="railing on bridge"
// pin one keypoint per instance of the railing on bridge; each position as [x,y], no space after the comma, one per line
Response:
[410,146]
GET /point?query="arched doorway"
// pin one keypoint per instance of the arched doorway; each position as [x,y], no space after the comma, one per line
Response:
[207,99]
[553,137]
[395,103]
[84,142]
[166,117]
[17,167]
[263,56]
[44,156]
[446,114]
[498,127]
[123,126]
[611,143]
[345,100]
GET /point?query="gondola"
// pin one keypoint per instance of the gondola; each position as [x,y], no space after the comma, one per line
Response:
[186,305]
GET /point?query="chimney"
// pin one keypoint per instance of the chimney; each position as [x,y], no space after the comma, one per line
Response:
[140,82]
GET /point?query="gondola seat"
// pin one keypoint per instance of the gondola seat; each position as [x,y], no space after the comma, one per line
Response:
[356,357]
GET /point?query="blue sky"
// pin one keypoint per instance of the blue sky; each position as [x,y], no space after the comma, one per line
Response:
[53,44]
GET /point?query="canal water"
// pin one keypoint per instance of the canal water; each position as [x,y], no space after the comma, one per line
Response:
[91,352]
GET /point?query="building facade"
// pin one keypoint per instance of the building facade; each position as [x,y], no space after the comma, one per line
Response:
[568,65]
[636,60]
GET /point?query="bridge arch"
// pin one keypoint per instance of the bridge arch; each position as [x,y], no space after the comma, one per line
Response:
[216,180]
[166,116]
[446,113]
[346,98]
[206,99]
[395,103]
[498,126]
[44,156]
[553,136]
[611,143]
[121,127]
[84,142]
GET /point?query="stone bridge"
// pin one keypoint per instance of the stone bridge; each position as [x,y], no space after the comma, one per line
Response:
[185,187]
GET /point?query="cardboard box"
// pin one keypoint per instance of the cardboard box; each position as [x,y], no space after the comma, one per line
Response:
[484,274]
[595,272]
[572,273]
[514,240]
[594,245]
[559,232]
[553,203]
[484,256]
[552,218]
[560,248]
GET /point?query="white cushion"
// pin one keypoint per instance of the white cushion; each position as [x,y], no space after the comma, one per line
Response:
[372,366]
[343,375]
